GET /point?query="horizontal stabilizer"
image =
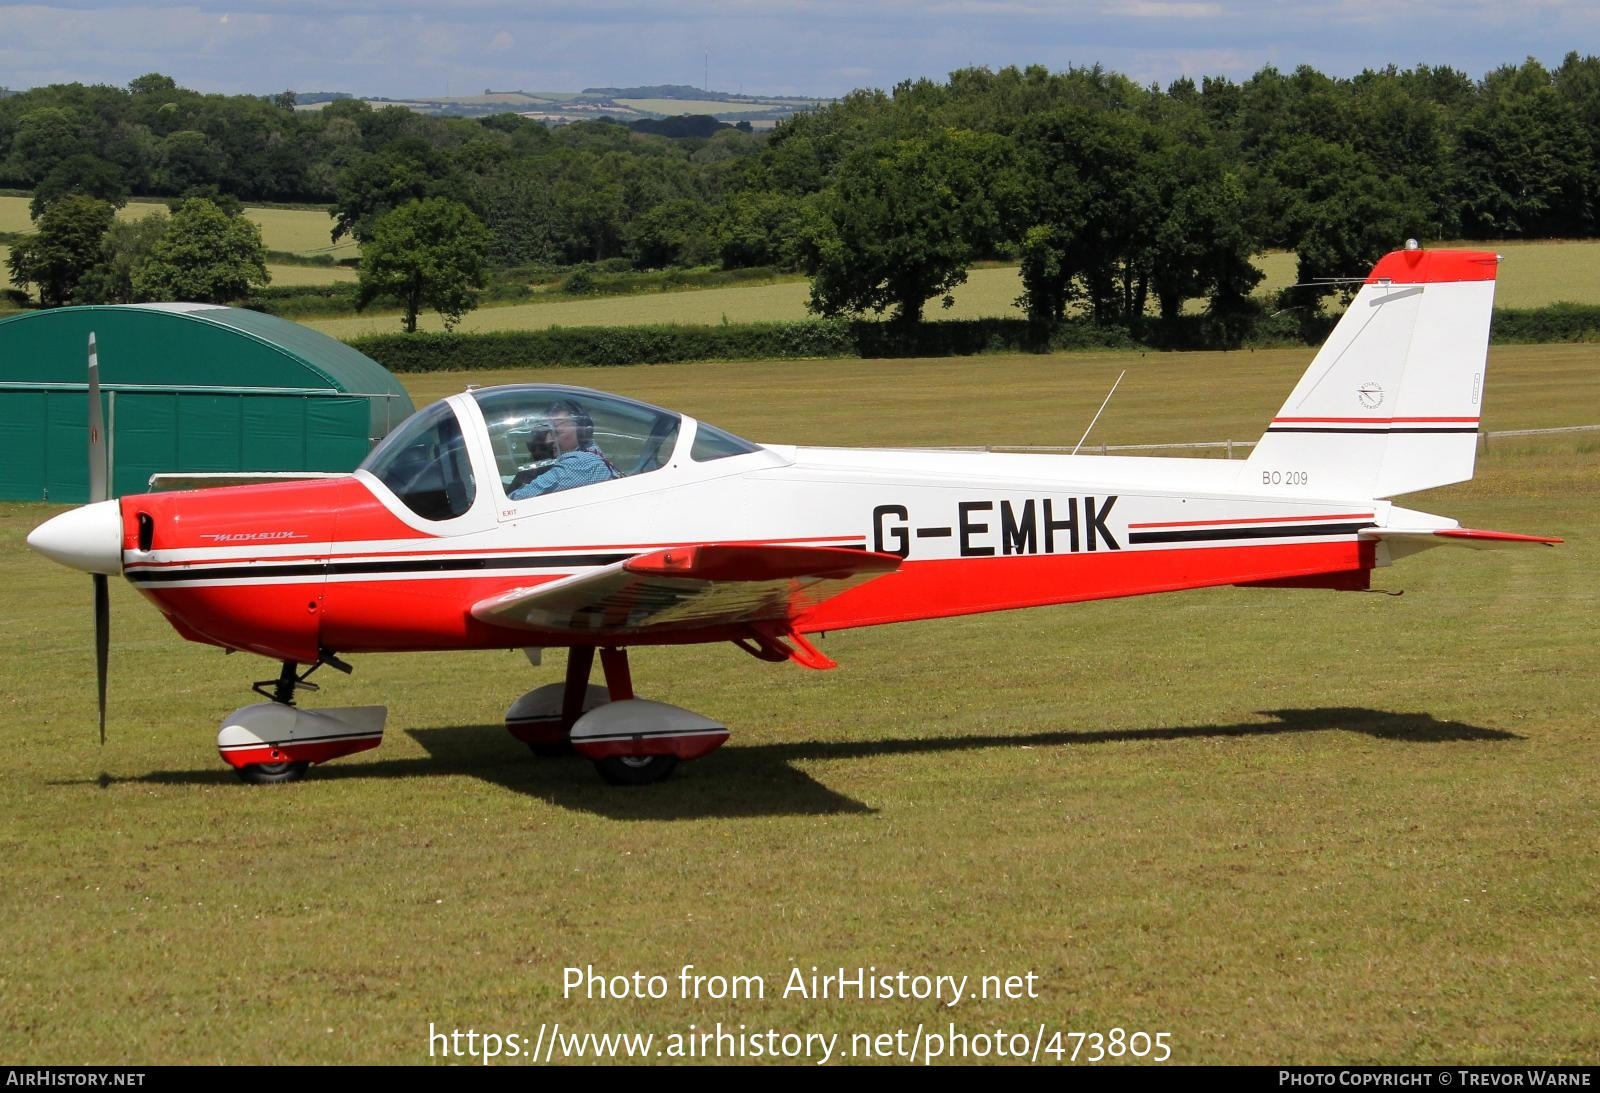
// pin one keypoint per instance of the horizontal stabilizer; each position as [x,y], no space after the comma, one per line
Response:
[1418,538]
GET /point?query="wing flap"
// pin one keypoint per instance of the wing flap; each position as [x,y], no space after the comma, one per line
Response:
[688,588]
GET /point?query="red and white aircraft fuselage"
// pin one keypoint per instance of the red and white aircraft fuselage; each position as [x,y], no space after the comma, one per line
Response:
[690,534]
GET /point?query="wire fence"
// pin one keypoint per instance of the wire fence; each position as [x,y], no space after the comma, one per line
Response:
[1226,445]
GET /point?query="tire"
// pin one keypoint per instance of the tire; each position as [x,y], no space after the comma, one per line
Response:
[551,749]
[636,770]
[272,774]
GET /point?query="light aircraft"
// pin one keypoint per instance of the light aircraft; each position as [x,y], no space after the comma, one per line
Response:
[462,530]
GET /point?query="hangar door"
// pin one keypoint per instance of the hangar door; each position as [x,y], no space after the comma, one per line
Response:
[44,436]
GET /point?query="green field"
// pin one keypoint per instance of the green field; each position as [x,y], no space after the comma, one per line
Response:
[294,231]
[988,292]
[673,107]
[309,275]
[1533,275]
[1281,826]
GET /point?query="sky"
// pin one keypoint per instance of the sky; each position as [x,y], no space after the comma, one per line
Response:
[406,48]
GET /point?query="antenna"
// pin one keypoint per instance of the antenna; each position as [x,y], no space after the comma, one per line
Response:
[1100,411]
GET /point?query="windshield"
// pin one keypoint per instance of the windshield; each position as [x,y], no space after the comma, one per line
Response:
[424,462]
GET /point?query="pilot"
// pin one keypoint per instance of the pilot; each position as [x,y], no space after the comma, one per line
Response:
[568,438]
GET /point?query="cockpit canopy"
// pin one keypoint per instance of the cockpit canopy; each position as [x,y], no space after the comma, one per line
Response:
[630,437]
[544,439]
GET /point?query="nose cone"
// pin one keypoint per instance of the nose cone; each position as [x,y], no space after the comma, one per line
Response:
[87,538]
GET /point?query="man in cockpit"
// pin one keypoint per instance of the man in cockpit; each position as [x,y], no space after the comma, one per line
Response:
[567,436]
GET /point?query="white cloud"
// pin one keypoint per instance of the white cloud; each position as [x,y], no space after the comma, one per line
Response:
[1167,9]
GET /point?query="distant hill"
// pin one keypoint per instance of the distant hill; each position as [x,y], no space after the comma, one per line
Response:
[629,105]
[694,94]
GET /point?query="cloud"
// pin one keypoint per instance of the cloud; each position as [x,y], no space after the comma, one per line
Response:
[1162,9]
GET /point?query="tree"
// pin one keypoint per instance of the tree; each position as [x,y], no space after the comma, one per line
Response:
[205,256]
[46,136]
[152,83]
[377,183]
[902,222]
[80,174]
[1522,151]
[1342,217]
[673,233]
[764,228]
[125,247]
[427,253]
[1202,246]
[1093,213]
[66,248]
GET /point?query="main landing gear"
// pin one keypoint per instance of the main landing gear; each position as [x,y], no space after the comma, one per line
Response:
[271,742]
[631,741]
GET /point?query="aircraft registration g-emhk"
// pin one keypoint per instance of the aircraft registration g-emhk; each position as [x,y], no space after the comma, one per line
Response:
[535,516]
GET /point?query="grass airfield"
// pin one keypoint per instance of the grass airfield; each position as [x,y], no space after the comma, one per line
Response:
[1283,826]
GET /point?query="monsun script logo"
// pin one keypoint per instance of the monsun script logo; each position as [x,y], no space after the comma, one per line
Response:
[1371,395]
[253,536]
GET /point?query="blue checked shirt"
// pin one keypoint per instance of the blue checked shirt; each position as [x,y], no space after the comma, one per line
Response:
[583,467]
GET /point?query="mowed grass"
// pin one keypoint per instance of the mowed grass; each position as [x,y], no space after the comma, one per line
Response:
[1030,399]
[1283,826]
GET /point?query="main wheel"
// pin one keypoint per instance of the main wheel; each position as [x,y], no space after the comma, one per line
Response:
[271,774]
[636,770]
[551,749]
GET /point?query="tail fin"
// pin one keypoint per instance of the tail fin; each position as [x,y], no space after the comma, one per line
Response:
[1391,402]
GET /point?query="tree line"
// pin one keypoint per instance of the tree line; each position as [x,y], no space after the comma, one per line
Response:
[1117,200]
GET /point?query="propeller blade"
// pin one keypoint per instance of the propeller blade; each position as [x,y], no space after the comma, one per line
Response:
[99,488]
[102,642]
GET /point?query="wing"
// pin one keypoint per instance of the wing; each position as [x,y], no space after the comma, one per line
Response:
[711,585]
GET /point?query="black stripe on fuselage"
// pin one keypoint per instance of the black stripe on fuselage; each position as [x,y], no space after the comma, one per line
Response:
[1214,535]
[397,566]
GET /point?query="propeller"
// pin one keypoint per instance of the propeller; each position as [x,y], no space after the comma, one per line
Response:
[99,490]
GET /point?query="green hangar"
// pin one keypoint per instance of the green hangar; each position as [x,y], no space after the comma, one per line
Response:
[186,388]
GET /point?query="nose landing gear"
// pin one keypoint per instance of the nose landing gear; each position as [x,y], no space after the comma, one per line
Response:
[268,743]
